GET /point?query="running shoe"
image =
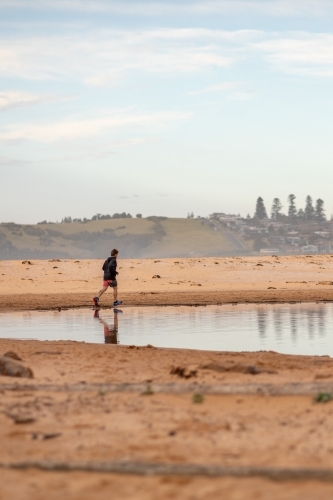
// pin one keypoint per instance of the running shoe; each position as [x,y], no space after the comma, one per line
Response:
[118,311]
[96,301]
[117,303]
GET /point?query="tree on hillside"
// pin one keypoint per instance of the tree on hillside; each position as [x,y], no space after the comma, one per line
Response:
[309,210]
[258,243]
[319,211]
[138,216]
[301,214]
[260,212]
[292,211]
[276,208]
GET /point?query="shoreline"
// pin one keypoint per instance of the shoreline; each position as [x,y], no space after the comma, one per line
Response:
[45,302]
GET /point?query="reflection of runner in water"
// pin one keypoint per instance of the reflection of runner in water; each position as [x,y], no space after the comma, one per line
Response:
[110,333]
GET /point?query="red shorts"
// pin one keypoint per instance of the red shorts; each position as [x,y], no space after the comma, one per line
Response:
[111,283]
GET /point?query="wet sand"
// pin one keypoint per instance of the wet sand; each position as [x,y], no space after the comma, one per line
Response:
[145,423]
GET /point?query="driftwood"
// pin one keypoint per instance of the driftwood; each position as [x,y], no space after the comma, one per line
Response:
[13,369]
[154,469]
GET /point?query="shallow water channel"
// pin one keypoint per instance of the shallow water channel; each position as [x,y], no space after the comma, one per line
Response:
[286,328]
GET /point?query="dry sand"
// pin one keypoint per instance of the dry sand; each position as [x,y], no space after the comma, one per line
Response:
[70,283]
[256,434]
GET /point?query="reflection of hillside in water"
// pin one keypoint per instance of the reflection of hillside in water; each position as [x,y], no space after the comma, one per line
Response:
[310,319]
[286,328]
[262,322]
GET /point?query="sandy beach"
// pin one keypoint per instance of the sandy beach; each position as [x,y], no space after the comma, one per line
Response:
[144,422]
[73,283]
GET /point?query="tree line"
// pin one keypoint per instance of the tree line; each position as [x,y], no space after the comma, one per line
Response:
[69,219]
[309,213]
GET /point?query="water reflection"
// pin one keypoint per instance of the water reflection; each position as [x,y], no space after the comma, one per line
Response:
[110,331]
[311,316]
[289,328]
[278,322]
[262,322]
[322,311]
[293,323]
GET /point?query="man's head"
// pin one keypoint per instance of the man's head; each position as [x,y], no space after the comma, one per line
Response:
[114,253]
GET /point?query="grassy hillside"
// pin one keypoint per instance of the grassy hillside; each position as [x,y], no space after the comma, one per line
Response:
[152,237]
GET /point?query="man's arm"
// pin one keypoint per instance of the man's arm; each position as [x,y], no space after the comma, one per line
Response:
[113,268]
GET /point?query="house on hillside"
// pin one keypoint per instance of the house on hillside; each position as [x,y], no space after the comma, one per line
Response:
[309,249]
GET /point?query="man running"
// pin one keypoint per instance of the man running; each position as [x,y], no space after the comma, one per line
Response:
[109,279]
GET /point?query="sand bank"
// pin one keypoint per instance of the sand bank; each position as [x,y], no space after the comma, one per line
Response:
[126,409]
[73,283]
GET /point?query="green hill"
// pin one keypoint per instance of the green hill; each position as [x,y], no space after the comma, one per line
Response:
[151,237]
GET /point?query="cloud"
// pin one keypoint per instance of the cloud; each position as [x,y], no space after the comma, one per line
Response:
[308,53]
[17,99]
[103,57]
[218,88]
[244,95]
[71,130]
[12,162]
[282,8]
[107,57]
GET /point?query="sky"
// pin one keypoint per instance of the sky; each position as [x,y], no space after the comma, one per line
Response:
[163,108]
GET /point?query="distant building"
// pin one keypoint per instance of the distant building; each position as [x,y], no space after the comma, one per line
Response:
[256,230]
[323,234]
[225,217]
[270,251]
[293,240]
[309,249]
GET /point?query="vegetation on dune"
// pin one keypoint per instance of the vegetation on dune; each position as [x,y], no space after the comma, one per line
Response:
[154,236]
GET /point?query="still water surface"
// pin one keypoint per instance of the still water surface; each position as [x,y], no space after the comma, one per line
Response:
[286,328]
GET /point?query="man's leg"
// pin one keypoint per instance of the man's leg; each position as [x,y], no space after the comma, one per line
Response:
[116,302]
[102,291]
[96,298]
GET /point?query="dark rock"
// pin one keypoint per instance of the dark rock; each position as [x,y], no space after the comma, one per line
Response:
[156,276]
[183,372]
[48,352]
[12,355]
[21,419]
[11,368]
[236,368]
[41,435]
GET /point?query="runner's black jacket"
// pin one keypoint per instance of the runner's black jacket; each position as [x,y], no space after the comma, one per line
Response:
[110,268]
